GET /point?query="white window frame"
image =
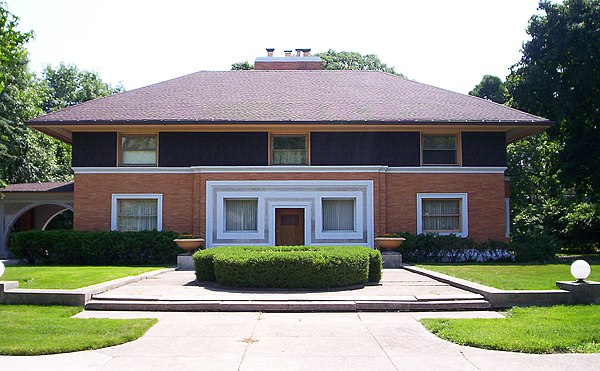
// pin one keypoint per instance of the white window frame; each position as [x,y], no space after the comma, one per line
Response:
[225,199]
[223,233]
[323,199]
[507,216]
[464,211]
[358,222]
[114,209]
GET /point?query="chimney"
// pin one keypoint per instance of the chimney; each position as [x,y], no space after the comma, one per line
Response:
[301,61]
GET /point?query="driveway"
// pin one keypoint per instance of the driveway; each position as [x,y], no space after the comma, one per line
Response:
[294,341]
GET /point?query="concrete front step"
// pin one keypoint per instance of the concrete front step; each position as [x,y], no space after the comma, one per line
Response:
[287,306]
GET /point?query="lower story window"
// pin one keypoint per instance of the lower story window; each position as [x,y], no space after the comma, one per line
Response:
[338,214]
[442,213]
[136,212]
[241,215]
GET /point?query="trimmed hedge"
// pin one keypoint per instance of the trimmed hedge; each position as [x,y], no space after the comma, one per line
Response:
[95,248]
[288,266]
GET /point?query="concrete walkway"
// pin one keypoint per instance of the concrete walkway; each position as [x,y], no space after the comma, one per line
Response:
[182,285]
[294,341]
[178,291]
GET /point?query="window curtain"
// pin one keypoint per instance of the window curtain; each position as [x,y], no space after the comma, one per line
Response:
[138,215]
[138,150]
[338,215]
[289,157]
[441,215]
[241,215]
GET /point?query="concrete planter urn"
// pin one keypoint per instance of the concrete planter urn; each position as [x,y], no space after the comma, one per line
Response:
[389,243]
[189,244]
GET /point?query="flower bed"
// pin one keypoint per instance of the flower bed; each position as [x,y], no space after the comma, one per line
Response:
[288,266]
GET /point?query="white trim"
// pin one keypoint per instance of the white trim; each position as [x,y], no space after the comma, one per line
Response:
[132,170]
[114,224]
[223,233]
[271,199]
[289,169]
[447,169]
[464,210]
[507,216]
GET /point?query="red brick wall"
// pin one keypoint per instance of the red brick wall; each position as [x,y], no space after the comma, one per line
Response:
[394,197]
[485,199]
[288,65]
[93,194]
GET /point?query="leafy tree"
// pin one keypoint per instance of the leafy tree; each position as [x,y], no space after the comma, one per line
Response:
[333,60]
[558,77]
[491,88]
[67,86]
[28,155]
[245,65]
[19,101]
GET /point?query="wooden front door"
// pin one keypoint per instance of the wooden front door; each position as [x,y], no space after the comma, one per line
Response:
[289,227]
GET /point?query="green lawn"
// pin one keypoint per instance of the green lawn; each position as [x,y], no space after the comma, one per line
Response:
[67,277]
[512,276]
[34,330]
[558,329]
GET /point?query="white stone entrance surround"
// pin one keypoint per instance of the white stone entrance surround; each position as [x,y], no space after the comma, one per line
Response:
[293,193]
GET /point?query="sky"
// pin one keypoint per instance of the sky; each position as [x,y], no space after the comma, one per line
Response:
[450,44]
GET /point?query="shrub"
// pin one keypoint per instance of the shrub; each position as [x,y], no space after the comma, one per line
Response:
[534,247]
[95,248]
[204,264]
[375,265]
[288,266]
[432,248]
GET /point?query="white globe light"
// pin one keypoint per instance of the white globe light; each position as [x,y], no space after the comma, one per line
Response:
[1,269]
[580,269]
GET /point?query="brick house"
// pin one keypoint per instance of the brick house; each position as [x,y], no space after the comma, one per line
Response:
[291,154]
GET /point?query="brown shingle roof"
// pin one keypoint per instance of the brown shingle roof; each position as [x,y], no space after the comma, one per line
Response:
[287,97]
[40,187]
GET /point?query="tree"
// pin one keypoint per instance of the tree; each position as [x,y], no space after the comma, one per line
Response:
[245,65]
[558,77]
[333,60]
[491,88]
[28,155]
[19,101]
[67,86]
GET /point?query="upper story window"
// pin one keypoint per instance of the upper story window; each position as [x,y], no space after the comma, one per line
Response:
[289,150]
[138,150]
[439,149]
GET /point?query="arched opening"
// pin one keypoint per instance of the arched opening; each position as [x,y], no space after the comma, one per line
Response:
[41,217]
[61,220]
